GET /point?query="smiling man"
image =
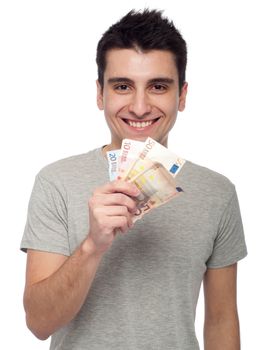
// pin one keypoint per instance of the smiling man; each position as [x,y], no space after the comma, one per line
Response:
[140,94]
[91,287]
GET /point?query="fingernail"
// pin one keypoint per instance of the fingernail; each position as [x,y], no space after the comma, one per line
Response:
[137,191]
[133,211]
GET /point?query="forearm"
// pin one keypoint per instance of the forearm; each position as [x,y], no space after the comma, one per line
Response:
[54,301]
[222,334]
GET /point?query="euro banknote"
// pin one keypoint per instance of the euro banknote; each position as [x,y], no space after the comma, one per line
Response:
[151,167]
[157,186]
[113,160]
[129,152]
[156,152]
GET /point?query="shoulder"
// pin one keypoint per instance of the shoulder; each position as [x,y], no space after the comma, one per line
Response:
[206,183]
[69,168]
[206,175]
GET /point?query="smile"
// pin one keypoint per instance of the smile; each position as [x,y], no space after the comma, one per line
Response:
[141,124]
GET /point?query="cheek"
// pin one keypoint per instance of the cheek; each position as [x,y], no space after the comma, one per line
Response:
[169,106]
[114,104]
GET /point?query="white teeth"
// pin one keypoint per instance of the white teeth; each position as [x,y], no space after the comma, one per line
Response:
[139,124]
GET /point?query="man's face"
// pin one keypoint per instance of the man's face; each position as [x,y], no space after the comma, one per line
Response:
[140,97]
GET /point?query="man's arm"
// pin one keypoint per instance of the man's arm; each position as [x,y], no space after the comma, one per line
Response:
[56,285]
[221,328]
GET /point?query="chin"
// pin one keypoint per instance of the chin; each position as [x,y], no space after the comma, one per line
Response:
[141,138]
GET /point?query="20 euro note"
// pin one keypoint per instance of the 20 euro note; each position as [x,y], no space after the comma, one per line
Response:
[130,150]
[113,159]
[157,186]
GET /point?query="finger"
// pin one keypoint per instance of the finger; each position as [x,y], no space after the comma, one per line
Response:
[118,186]
[106,215]
[114,211]
[119,223]
[128,223]
[116,199]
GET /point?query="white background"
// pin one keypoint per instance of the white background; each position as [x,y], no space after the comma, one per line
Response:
[48,112]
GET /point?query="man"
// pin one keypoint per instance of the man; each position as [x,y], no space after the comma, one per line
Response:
[96,281]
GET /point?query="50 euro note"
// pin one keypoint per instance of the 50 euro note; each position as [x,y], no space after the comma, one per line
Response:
[158,153]
[154,152]
[157,186]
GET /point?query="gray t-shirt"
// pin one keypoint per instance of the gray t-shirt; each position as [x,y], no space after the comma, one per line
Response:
[146,288]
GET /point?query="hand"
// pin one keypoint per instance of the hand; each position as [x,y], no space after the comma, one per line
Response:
[111,208]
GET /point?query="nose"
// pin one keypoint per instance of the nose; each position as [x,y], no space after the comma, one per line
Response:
[140,105]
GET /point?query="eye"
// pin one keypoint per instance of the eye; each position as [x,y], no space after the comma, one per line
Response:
[121,87]
[159,88]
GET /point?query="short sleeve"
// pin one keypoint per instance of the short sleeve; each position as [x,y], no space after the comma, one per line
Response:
[46,226]
[229,245]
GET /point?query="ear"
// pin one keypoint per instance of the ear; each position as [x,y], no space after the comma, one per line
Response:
[182,97]
[99,97]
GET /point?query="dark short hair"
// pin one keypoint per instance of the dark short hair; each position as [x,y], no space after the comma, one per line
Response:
[147,30]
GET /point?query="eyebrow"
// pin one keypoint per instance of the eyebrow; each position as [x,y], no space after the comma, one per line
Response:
[119,80]
[150,81]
